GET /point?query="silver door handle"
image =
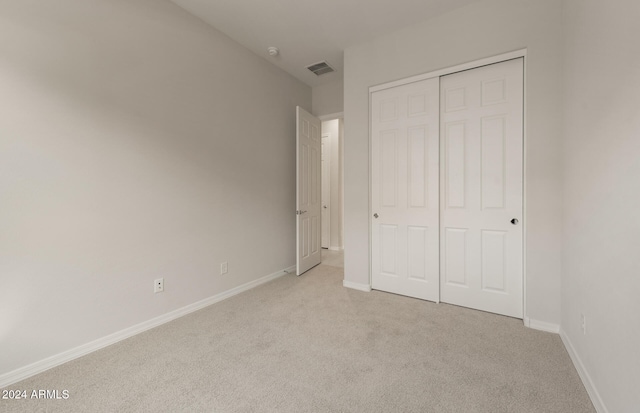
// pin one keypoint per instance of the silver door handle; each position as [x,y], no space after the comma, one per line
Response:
[300,212]
[514,221]
[376,215]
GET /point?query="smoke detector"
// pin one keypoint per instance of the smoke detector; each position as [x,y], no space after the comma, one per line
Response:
[320,68]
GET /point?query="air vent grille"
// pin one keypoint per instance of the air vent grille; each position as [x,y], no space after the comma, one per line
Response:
[320,68]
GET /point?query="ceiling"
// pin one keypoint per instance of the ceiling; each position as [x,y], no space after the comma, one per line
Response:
[307,31]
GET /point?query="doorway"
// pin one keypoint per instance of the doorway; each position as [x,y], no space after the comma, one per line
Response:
[319,194]
[332,183]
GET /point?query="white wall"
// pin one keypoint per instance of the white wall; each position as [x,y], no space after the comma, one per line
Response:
[480,30]
[328,99]
[136,142]
[601,274]
[332,127]
[338,177]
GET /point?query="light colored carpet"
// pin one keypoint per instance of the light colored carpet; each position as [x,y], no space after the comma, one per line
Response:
[333,258]
[306,344]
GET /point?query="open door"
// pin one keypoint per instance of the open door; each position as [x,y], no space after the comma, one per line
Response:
[308,197]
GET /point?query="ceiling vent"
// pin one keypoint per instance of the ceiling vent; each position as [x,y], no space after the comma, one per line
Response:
[320,68]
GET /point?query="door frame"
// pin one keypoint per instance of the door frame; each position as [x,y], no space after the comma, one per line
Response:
[521,53]
[326,220]
[340,163]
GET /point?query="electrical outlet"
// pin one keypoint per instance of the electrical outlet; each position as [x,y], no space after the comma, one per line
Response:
[583,323]
[224,268]
[158,285]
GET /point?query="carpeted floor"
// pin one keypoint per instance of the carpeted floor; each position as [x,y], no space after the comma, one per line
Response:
[306,344]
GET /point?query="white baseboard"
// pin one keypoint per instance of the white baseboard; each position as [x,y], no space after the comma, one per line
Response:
[357,286]
[584,375]
[541,325]
[58,359]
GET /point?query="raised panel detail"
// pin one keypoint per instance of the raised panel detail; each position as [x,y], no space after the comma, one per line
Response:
[417,105]
[494,260]
[494,163]
[455,99]
[418,167]
[315,133]
[388,178]
[417,252]
[388,253]
[305,175]
[455,256]
[315,229]
[315,176]
[305,237]
[389,110]
[305,128]
[494,91]
[455,147]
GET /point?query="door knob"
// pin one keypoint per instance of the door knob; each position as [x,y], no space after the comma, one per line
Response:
[514,221]
[375,215]
[324,206]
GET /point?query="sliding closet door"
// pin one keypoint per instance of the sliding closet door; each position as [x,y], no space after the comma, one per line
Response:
[404,189]
[481,238]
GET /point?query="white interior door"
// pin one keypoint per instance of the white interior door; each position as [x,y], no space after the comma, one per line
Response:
[308,191]
[404,190]
[481,188]
[326,190]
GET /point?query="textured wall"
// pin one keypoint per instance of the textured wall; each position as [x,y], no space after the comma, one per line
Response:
[136,142]
[329,98]
[601,264]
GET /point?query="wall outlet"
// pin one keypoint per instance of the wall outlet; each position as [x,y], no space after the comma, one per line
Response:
[224,268]
[158,285]
[583,323]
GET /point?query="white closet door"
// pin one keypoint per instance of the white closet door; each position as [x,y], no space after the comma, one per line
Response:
[404,168]
[481,188]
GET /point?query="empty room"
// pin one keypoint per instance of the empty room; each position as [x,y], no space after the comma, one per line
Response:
[339,206]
